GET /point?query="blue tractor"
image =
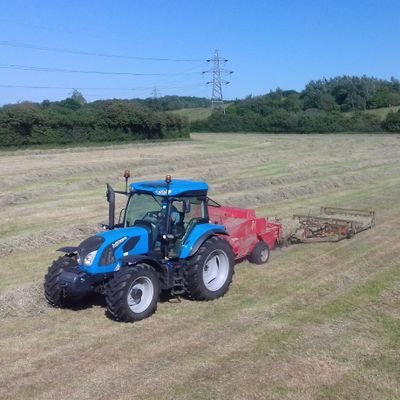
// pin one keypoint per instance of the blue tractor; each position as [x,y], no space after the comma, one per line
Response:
[163,241]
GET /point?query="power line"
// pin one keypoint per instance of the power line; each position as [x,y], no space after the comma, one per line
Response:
[92,88]
[77,71]
[147,91]
[67,88]
[87,53]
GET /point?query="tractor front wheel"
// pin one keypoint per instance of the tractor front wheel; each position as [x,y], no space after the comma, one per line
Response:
[209,272]
[260,253]
[53,292]
[132,293]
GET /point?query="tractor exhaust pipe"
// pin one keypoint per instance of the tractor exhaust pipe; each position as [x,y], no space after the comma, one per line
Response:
[111,206]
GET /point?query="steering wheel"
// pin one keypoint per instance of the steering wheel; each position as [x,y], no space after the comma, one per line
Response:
[152,216]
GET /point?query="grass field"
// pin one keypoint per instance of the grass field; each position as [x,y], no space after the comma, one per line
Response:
[194,114]
[381,113]
[197,114]
[318,321]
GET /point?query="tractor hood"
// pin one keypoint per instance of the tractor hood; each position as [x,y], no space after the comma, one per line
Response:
[103,252]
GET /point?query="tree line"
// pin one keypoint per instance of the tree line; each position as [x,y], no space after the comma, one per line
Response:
[170,103]
[339,104]
[74,121]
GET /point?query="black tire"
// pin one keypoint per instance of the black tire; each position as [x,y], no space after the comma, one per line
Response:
[53,292]
[260,253]
[215,255]
[132,293]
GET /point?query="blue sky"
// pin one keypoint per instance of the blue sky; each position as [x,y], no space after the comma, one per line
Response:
[269,44]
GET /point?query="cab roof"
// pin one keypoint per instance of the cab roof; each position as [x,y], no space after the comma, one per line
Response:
[177,187]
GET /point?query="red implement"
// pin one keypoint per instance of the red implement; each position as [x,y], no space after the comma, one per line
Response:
[245,229]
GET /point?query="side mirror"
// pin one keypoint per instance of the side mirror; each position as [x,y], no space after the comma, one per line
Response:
[110,194]
[111,206]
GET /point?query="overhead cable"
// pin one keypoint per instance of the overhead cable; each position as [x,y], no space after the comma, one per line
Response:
[78,71]
[88,53]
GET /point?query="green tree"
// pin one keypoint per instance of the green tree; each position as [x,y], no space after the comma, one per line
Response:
[392,122]
[78,97]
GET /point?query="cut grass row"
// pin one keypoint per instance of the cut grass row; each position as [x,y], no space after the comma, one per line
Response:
[318,322]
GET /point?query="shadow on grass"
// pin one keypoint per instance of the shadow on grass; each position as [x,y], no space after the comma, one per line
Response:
[98,300]
[89,301]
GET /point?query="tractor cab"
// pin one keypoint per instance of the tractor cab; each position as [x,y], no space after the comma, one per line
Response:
[168,210]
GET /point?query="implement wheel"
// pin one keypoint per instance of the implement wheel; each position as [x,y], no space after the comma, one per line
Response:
[209,272]
[260,253]
[132,293]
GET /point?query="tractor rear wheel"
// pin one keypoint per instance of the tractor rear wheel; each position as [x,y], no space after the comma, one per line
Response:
[132,293]
[260,253]
[52,290]
[209,272]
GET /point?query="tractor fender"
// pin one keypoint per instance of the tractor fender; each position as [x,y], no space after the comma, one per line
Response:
[199,236]
[68,250]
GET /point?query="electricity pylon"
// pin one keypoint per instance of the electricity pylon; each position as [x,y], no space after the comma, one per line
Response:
[218,73]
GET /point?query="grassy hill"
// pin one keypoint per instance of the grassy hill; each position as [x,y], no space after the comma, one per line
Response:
[194,114]
[383,112]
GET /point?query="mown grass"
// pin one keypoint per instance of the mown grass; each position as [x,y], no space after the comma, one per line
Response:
[352,300]
[318,322]
[84,146]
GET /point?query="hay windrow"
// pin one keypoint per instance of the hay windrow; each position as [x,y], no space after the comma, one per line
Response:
[23,301]
[13,198]
[318,321]
[45,238]
[289,188]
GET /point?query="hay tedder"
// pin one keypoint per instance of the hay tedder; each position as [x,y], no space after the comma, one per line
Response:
[331,225]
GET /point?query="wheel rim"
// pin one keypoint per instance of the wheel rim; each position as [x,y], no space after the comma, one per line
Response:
[264,255]
[140,294]
[216,270]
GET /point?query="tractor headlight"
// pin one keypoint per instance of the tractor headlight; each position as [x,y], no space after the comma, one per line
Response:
[87,250]
[107,257]
[88,260]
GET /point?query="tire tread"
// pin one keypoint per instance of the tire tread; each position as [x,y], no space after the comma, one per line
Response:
[115,295]
[193,273]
